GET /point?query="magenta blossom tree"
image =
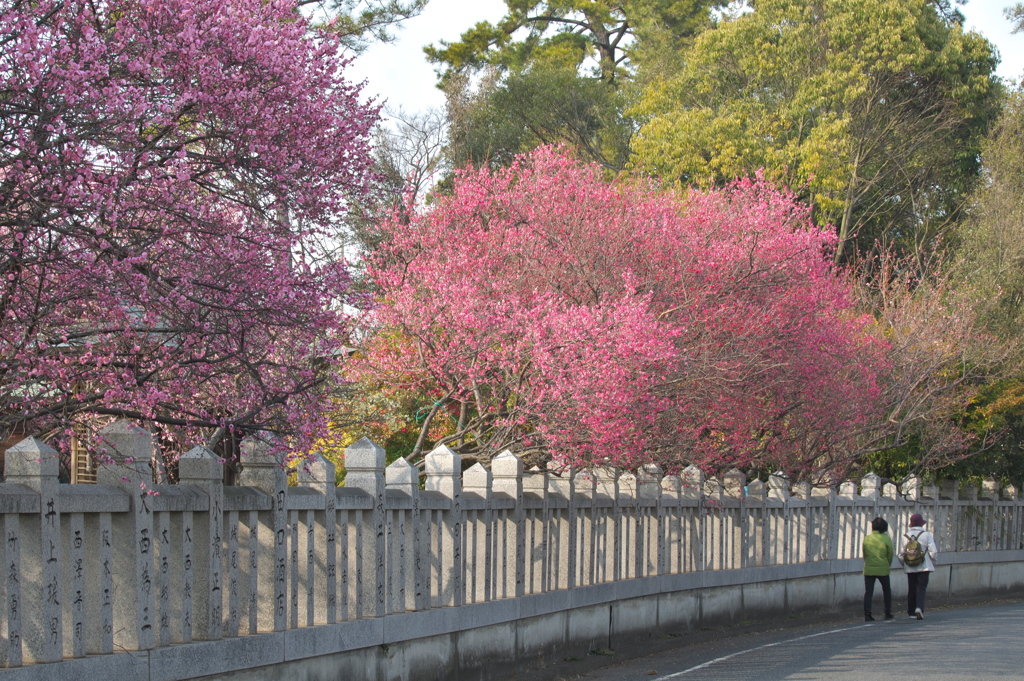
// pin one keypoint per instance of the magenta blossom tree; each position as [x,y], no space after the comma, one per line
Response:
[554,313]
[170,172]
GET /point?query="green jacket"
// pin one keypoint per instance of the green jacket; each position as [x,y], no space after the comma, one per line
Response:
[878,553]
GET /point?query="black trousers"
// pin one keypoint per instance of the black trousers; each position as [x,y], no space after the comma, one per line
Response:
[917,587]
[869,592]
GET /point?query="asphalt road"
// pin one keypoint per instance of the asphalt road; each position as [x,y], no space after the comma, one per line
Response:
[948,645]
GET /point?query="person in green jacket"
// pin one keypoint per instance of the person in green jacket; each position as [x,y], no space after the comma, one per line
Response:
[878,555]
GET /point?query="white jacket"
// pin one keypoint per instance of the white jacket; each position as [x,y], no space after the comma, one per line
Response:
[927,544]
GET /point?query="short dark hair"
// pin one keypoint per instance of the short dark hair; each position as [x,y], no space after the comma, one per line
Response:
[879,525]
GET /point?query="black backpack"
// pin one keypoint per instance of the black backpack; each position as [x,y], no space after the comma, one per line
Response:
[913,552]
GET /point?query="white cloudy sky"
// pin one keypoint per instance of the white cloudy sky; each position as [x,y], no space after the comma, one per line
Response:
[400,74]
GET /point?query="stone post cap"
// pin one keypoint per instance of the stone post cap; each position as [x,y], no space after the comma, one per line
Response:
[671,484]
[627,486]
[949,488]
[443,468]
[124,438]
[969,492]
[200,465]
[931,490]
[128,443]
[692,482]
[1010,492]
[990,488]
[778,486]
[260,449]
[871,486]
[403,476]
[536,481]
[912,487]
[693,476]
[734,481]
[316,471]
[443,461]
[713,489]
[648,479]
[507,465]
[802,490]
[848,489]
[29,460]
[890,491]
[584,482]
[757,491]
[477,479]
[365,456]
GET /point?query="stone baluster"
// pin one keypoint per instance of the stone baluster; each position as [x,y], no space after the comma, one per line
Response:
[443,468]
[263,468]
[507,472]
[200,467]
[403,477]
[319,473]
[38,623]
[364,465]
[131,449]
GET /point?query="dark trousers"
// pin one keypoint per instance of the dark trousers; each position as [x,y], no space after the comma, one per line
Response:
[869,592]
[917,586]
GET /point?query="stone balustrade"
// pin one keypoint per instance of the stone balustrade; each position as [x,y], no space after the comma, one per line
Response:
[129,565]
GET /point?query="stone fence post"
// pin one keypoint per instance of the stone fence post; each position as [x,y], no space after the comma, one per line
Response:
[364,465]
[37,621]
[444,468]
[507,472]
[201,468]
[131,449]
[263,469]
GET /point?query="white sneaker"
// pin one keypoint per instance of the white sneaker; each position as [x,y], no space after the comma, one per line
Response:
[918,614]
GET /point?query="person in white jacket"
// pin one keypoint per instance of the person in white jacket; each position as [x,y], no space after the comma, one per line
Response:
[917,575]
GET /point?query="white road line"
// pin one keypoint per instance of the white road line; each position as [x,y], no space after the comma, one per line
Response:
[751,650]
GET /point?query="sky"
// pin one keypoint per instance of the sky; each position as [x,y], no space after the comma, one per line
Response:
[400,75]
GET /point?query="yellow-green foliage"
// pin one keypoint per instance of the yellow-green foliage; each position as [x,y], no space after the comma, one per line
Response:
[857,101]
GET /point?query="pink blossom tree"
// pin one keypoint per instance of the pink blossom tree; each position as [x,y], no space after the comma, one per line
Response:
[170,173]
[563,316]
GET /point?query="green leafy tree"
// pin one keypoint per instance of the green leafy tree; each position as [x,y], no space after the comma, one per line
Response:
[551,73]
[874,108]
[361,22]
